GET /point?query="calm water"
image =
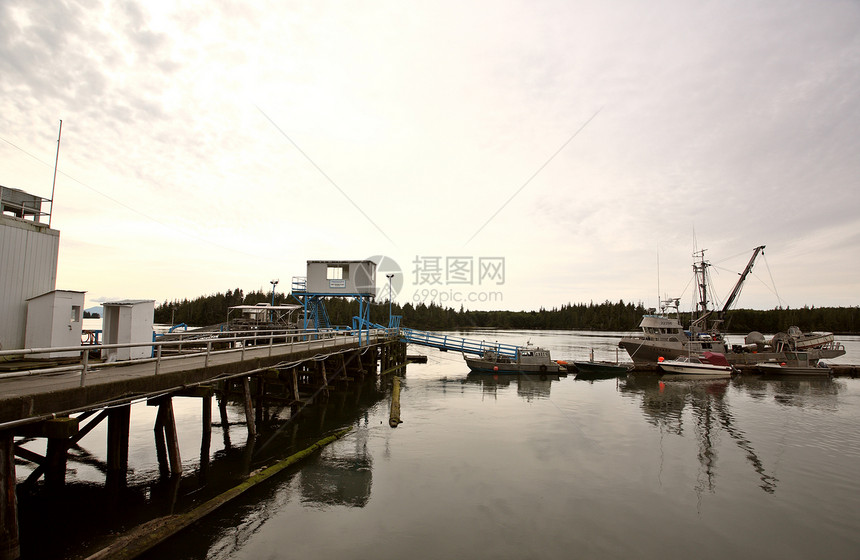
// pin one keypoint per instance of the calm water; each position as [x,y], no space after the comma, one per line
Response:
[524,468]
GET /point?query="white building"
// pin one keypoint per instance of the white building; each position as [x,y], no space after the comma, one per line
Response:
[127,321]
[28,262]
[55,319]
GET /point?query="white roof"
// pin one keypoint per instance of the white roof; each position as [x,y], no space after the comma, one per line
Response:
[128,301]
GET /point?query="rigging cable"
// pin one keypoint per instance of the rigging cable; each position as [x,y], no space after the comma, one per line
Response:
[778,299]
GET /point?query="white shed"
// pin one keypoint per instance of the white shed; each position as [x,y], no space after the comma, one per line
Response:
[127,321]
[55,319]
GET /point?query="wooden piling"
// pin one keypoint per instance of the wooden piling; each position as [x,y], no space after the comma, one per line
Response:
[55,463]
[296,386]
[206,439]
[394,414]
[225,423]
[166,440]
[249,409]
[9,547]
[258,402]
[119,419]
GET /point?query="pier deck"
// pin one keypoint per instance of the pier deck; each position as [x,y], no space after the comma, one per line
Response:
[33,396]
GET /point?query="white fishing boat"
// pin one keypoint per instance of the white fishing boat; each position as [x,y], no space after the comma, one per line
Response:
[710,364]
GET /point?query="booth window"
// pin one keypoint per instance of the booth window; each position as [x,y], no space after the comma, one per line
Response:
[337,272]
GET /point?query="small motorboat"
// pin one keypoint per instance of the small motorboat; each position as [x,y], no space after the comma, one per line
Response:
[593,369]
[710,364]
[798,364]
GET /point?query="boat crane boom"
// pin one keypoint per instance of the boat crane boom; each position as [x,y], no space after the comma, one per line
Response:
[736,291]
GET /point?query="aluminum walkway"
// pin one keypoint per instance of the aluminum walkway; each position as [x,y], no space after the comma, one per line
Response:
[446,342]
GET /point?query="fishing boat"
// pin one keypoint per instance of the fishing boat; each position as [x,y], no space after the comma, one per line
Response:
[710,364]
[595,368]
[528,359]
[663,335]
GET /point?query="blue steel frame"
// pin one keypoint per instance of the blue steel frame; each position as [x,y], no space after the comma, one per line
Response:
[316,304]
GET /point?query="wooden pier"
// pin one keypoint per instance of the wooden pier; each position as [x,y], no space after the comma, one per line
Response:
[64,401]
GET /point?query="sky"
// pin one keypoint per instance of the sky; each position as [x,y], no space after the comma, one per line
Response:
[499,154]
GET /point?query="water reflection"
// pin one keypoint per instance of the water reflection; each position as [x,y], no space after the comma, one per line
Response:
[821,393]
[664,401]
[342,480]
[528,386]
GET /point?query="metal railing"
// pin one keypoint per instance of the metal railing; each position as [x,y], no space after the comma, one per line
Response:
[456,343]
[238,342]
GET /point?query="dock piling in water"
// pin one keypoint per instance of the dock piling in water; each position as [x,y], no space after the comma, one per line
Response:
[394,415]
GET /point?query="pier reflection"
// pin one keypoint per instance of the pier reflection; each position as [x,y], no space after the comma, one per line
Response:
[670,402]
[152,492]
[344,480]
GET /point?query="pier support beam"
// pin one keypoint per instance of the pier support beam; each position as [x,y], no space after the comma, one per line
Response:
[119,419]
[296,385]
[9,547]
[206,439]
[165,433]
[249,408]
[225,424]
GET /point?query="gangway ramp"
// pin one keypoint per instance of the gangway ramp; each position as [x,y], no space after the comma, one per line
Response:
[445,342]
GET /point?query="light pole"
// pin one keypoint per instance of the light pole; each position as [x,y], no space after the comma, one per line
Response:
[389,276]
[273,283]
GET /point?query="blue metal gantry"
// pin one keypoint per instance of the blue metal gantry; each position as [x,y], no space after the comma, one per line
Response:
[315,314]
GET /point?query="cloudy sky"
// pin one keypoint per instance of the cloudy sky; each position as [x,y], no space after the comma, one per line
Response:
[214,145]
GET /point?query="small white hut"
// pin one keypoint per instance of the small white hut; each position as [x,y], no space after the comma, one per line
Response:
[54,320]
[127,321]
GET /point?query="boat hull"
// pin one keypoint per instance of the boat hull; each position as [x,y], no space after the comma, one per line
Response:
[600,368]
[777,369]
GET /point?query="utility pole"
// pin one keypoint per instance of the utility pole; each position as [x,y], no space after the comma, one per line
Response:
[389,276]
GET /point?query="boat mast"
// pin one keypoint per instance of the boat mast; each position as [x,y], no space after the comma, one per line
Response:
[700,271]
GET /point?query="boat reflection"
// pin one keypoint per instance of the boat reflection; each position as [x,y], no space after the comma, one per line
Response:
[820,393]
[664,402]
[529,386]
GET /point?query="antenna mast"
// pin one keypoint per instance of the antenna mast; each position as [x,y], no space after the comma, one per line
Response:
[56,162]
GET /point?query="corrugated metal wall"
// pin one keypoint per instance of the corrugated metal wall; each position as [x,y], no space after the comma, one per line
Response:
[28,268]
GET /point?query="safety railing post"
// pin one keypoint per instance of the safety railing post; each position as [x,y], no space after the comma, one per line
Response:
[85,365]
[158,359]
[208,351]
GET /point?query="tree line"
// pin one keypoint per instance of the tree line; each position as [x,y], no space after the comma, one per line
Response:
[605,316]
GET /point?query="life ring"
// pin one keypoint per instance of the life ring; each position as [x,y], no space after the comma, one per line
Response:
[88,337]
